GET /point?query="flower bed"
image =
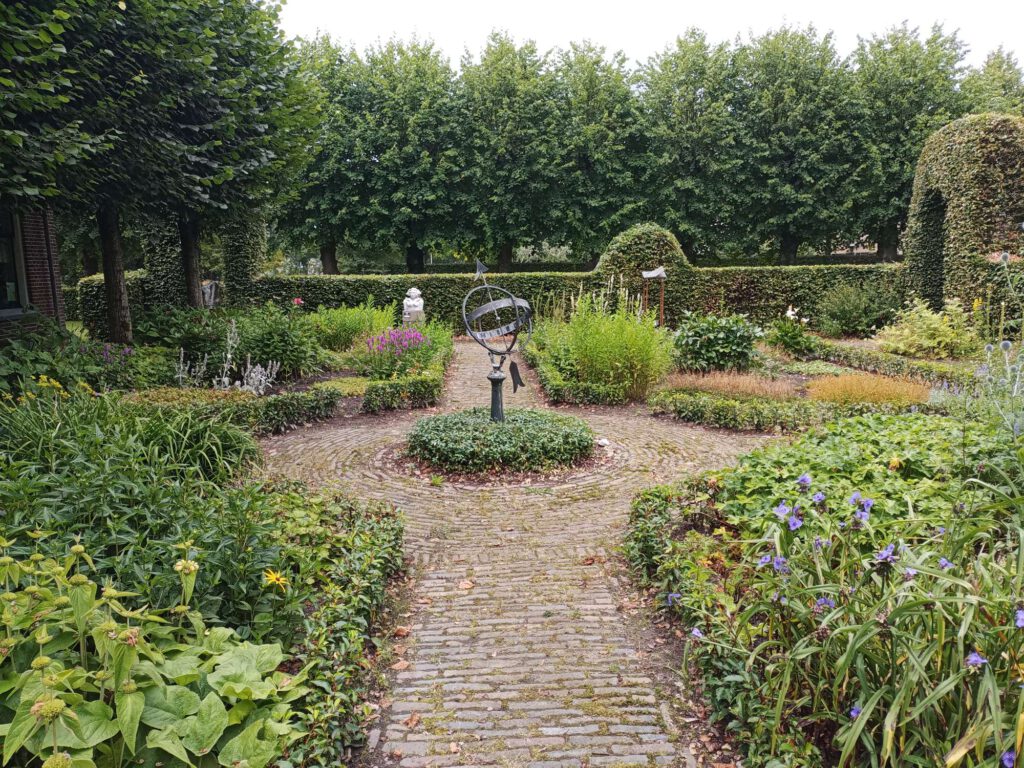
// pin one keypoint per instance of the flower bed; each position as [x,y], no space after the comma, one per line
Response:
[527,441]
[849,592]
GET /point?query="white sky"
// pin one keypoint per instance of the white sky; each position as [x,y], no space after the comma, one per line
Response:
[642,27]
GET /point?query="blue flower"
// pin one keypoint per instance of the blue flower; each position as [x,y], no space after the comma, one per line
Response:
[941,530]
[804,481]
[673,597]
[782,510]
[855,712]
[765,559]
[1019,618]
[825,602]
[842,523]
[867,504]
[696,633]
[1008,759]
[818,498]
[862,515]
[910,572]
[855,498]
[885,555]
[795,522]
[944,564]
[779,564]
[975,659]
[818,542]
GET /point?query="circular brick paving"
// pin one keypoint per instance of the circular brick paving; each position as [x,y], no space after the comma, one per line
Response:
[519,654]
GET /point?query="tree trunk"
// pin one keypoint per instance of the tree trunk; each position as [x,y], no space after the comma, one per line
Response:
[119,318]
[789,244]
[188,231]
[888,241]
[329,257]
[505,258]
[414,259]
[90,263]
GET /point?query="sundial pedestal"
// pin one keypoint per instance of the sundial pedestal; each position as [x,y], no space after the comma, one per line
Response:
[497,378]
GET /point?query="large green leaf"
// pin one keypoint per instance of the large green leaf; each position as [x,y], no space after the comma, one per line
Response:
[247,747]
[239,676]
[169,705]
[169,742]
[129,712]
[96,723]
[22,727]
[200,733]
[182,669]
[124,656]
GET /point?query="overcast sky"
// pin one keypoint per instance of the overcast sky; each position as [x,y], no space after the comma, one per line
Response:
[642,27]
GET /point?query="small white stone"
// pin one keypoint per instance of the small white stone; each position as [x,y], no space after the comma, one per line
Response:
[604,442]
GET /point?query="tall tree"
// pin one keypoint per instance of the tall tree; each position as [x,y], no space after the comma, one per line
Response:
[687,94]
[798,139]
[908,88]
[513,155]
[602,138]
[997,86]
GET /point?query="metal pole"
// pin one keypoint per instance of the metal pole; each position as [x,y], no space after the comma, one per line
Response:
[497,379]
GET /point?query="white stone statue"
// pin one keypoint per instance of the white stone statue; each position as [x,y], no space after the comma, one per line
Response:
[412,307]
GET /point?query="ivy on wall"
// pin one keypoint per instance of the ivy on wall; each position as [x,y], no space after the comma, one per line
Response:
[967,206]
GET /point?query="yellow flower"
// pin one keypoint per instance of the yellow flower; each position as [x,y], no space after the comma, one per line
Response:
[895,463]
[272,578]
[978,304]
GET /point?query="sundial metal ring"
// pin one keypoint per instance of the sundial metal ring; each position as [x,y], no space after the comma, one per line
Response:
[495,324]
[494,318]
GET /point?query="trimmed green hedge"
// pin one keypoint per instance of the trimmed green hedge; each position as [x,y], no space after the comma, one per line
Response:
[559,389]
[92,301]
[763,414]
[464,268]
[267,415]
[420,390]
[72,309]
[876,361]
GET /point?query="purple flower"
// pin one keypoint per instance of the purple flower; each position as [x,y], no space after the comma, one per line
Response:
[855,712]
[975,659]
[818,498]
[855,497]
[696,633]
[867,504]
[795,522]
[672,598]
[818,543]
[1008,759]
[779,564]
[909,573]
[885,555]
[825,602]
[782,510]
[944,564]
[941,530]
[804,481]
[861,515]
[765,559]
[1019,618]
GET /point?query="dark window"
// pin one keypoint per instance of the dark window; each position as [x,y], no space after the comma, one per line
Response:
[10,279]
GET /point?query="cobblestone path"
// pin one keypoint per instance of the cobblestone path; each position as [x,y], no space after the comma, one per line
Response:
[519,653]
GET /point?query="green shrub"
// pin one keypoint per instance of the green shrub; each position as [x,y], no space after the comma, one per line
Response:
[761,414]
[414,390]
[395,353]
[849,310]
[919,331]
[198,332]
[528,440]
[709,343]
[790,334]
[887,364]
[86,676]
[339,328]
[284,336]
[862,538]
[560,389]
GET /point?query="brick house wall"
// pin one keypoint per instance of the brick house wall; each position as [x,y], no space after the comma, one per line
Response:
[36,247]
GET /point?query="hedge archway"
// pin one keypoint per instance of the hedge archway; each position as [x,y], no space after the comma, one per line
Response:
[967,207]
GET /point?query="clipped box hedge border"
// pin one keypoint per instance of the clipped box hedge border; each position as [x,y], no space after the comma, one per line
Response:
[559,389]
[420,390]
[763,414]
[887,364]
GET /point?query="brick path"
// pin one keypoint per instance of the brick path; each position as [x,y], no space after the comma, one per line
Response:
[519,653]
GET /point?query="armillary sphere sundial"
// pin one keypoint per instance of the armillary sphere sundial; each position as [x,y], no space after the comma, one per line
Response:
[494,318]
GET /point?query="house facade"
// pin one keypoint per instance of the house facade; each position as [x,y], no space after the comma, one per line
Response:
[30,282]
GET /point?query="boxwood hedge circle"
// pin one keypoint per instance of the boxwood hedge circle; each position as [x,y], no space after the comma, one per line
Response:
[527,441]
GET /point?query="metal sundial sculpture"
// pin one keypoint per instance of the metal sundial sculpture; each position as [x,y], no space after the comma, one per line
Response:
[494,318]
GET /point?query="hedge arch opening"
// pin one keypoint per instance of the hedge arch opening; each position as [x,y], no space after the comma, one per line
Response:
[966,207]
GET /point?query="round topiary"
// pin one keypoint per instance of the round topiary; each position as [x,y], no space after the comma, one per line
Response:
[527,441]
[967,206]
[641,248]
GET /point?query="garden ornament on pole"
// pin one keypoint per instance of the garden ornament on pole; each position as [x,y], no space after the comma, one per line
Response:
[659,275]
[494,318]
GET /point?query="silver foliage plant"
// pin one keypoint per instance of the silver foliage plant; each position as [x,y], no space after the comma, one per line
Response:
[257,379]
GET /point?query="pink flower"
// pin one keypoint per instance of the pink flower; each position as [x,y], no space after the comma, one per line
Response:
[297,301]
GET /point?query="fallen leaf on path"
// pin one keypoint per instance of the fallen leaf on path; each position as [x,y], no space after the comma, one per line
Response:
[412,720]
[402,631]
[400,665]
[466,584]
[454,748]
